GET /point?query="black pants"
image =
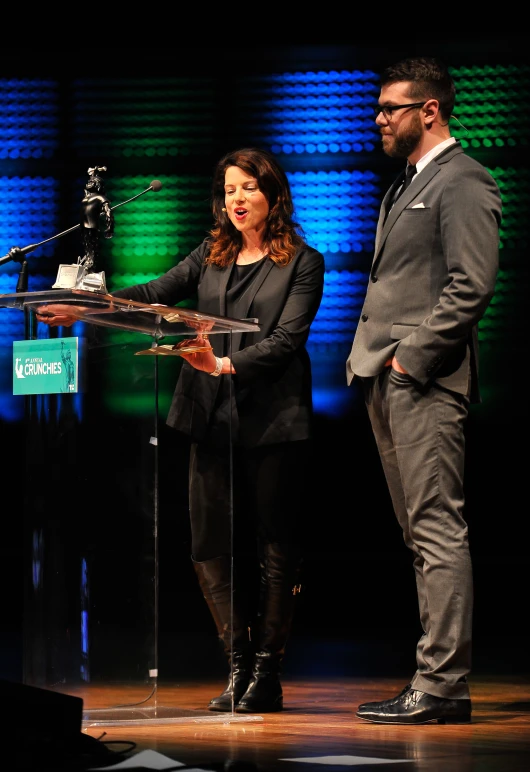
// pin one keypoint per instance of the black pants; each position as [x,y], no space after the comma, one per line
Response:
[267,500]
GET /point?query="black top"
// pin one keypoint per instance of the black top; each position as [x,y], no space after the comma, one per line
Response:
[240,285]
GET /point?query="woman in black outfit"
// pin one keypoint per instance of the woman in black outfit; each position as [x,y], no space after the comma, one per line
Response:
[254,263]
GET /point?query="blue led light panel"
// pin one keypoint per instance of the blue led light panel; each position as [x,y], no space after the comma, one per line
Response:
[338,210]
[311,112]
[29,110]
[28,215]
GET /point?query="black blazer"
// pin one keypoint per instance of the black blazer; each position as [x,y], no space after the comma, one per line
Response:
[271,397]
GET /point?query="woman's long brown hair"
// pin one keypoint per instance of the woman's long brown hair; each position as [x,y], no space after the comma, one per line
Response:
[283,237]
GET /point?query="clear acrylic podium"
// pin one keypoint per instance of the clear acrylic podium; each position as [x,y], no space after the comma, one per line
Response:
[91,508]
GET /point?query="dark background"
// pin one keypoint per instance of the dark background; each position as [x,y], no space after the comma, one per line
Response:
[357,613]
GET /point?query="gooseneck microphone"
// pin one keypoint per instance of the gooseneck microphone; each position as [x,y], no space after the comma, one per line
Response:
[17,253]
[156,185]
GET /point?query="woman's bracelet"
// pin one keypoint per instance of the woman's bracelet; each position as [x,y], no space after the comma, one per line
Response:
[218,367]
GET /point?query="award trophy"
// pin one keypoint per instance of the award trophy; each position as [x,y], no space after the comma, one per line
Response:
[95,211]
[96,218]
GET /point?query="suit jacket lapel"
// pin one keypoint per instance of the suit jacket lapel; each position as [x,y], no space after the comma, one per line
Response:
[384,224]
[418,183]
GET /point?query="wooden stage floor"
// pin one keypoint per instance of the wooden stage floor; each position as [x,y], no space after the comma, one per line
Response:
[318,732]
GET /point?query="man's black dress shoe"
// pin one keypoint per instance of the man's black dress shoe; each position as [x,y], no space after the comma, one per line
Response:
[414,707]
[384,703]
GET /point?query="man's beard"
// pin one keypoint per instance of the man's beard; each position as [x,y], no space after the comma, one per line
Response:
[406,141]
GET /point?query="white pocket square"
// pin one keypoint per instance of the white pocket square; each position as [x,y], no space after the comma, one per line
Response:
[421,205]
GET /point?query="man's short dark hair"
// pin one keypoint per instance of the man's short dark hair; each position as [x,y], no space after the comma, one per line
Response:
[429,78]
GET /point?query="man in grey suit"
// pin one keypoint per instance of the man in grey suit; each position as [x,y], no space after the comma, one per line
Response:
[415,353]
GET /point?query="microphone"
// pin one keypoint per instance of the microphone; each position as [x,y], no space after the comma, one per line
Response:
[17,253]
[156,185]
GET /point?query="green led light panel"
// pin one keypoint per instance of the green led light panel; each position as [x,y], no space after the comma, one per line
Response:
[514,185]
[151,117]
[493,105]
[152,234]
[511,291]
[158,229]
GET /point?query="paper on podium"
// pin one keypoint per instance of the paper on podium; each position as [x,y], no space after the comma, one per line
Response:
[175,351]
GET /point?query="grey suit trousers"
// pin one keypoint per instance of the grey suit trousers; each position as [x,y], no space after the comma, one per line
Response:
[420,437]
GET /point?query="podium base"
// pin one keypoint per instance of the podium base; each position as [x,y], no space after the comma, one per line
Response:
[157,715]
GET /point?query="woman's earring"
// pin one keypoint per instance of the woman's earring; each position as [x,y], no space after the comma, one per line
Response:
[223,209]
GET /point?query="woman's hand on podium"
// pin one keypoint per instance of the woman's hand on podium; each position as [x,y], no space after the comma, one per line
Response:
[57,314]
[203,358]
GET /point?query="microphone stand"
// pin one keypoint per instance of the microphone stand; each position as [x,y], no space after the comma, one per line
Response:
[17,254]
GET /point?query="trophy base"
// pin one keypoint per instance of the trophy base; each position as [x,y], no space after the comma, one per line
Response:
[75,276]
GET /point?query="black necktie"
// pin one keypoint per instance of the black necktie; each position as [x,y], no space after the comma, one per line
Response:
[410,171]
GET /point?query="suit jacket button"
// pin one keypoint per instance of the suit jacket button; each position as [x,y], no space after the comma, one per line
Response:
[364,317]
[374,278]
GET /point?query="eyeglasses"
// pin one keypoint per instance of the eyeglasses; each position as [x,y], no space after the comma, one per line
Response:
[387,110]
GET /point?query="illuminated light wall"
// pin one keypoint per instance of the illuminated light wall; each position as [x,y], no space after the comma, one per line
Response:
[147,118]
[321,126]
[159,118]
[313,112]
[152,234]
[30,111]
[159,228]
[489,106]
[28,215]
[500,319]
[514,185]
[337,210]
[492,106]
[320,123]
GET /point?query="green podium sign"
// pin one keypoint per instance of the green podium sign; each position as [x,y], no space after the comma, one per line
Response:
[47,366]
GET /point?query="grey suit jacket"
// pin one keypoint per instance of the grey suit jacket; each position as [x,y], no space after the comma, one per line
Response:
[433,275]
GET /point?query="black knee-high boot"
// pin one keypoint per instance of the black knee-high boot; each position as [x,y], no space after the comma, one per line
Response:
[215,581]
[280,575]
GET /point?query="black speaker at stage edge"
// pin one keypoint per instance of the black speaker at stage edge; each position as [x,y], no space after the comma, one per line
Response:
[44,731]
[34,710]
[40,723]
